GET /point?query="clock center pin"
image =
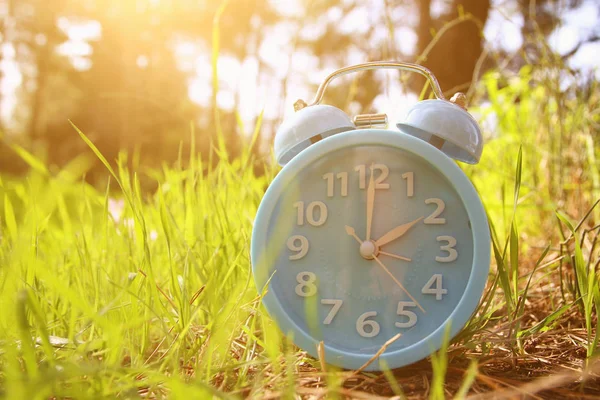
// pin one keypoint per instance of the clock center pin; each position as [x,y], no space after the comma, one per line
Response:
[368,249]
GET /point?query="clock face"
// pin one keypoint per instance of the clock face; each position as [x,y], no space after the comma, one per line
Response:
[366,242]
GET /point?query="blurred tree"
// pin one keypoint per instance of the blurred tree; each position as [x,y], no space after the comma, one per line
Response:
[325,31]
[134,92]
[136,96]
[29,32]
[453,57]
[41,37]
[541,18]
[449,38]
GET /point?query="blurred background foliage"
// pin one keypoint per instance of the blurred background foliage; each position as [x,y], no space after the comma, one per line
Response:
[136,75]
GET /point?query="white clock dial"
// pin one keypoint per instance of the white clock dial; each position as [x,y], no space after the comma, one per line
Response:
[371,241]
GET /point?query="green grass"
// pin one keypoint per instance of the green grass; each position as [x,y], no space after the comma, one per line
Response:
[97,304]
[114,292]
[160,301]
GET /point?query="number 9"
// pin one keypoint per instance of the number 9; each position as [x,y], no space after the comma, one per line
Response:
[301,248]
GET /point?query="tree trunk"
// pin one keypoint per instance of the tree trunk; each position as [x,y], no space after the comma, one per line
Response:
[36,124]
[454,56]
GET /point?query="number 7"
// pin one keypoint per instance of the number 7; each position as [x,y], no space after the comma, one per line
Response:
[334,310]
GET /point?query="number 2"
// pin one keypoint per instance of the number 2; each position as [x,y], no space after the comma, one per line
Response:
[434,219]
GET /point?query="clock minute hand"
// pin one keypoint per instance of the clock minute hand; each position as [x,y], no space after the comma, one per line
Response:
[396,232]
[370,204]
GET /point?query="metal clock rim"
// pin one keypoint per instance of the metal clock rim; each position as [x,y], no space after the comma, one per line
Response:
[475,211]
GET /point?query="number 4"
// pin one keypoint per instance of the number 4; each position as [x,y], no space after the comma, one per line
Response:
[436,280]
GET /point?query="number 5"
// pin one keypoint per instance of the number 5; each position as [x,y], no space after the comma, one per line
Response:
[412,317]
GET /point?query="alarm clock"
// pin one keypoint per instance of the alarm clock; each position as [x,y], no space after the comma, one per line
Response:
[373,239]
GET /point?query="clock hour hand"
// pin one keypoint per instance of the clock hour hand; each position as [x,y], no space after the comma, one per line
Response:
[351,232]
[396,232]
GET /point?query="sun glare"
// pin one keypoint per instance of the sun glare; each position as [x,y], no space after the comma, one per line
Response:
[254,84]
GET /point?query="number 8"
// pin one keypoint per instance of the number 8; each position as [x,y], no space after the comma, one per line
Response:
[306,284]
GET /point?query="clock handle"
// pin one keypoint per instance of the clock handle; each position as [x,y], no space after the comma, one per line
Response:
[435,86]
[445,124]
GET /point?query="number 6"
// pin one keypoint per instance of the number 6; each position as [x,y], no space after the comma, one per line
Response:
[372,324]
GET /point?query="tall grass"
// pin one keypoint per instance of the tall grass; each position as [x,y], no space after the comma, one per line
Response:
[102,297]
[557,131]
[549,135]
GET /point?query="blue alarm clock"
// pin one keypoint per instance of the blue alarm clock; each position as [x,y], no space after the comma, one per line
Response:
[373,238]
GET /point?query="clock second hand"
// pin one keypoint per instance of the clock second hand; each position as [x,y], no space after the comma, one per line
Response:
[350,231]
[398,283]
[385,253]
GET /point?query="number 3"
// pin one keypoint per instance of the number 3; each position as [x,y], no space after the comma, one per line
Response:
[449,248]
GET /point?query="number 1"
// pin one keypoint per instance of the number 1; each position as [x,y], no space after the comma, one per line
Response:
[410,183]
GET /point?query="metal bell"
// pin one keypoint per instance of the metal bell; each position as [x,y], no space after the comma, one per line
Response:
[307,126]
[446,125]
